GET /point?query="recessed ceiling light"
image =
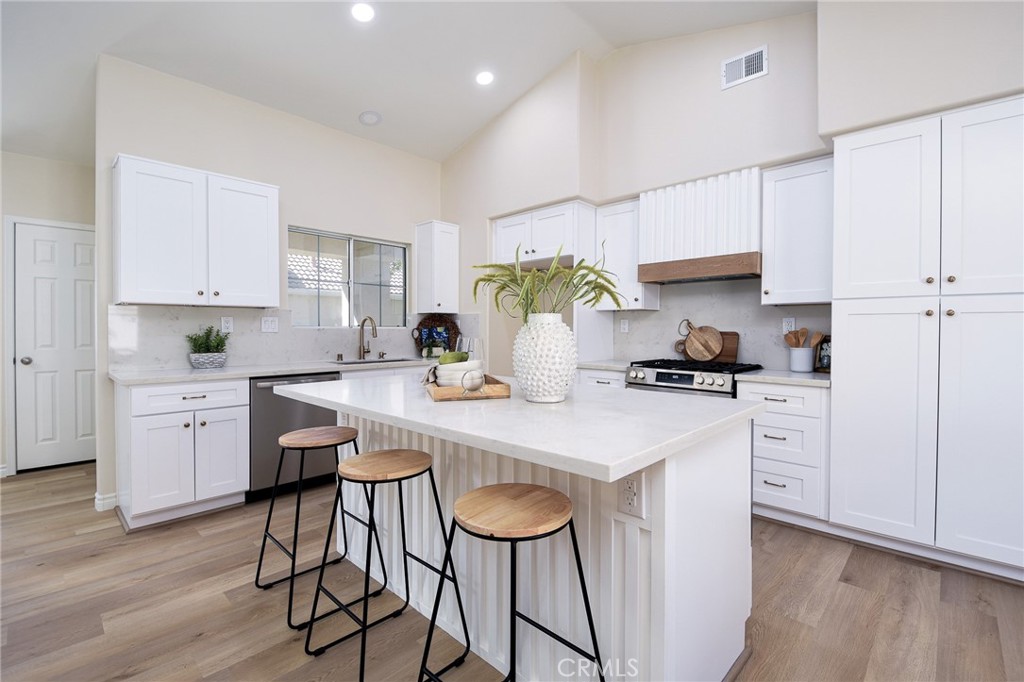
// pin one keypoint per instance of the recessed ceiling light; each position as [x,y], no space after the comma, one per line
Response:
[370,118]
[362,12]
[485,78]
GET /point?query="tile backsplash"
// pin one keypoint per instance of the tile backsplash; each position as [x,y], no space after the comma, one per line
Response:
[731,305]
[153,336]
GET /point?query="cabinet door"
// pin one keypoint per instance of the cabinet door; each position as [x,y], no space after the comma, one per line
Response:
[887,199]
[618,230]
[982,202]
[884,398]
[244,242]
[980,499]
[512,233]
[159,233]
[797,224]
[437,267]
[552,229]
[162,461]
[221,451]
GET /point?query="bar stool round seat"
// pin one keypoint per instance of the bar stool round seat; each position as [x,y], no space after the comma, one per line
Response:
[513,513]
[299,441]
[318,437]
[384,465]
[513,510]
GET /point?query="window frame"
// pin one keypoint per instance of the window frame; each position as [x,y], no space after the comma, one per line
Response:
[350,282]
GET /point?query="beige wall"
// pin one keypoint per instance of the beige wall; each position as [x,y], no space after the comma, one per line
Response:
[665,118]
[881,62]
[328,179]
[44,189]
[530,155]
[47,189]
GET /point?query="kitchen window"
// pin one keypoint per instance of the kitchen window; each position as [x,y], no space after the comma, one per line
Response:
[336,280]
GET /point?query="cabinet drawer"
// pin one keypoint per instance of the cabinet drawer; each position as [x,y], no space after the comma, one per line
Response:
[788,439]
[165,398]
[803,401]
[786,486]
[602,377]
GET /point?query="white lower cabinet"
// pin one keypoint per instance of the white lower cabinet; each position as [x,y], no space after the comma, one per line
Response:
[601,377]
[181,449]
[790,446]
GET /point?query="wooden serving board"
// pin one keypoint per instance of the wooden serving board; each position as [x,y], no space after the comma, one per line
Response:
[493,388]
[730,348]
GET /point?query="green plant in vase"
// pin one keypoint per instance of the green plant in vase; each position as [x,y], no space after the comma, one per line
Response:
[208,348]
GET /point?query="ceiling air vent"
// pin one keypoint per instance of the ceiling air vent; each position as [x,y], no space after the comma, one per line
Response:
[745,67]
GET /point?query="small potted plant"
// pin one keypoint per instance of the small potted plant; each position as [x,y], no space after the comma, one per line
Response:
[208,348]
[544,350]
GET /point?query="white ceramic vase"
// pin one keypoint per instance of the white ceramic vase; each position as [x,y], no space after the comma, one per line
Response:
[544,358]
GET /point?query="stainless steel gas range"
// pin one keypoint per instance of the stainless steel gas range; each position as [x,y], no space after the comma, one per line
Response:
[688,376]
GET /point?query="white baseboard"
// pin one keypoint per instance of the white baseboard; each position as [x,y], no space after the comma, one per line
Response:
[106,502]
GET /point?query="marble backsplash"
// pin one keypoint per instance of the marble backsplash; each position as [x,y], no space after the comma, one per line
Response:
[731,305]
[153,337]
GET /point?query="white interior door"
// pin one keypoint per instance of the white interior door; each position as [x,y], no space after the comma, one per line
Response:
[55,371]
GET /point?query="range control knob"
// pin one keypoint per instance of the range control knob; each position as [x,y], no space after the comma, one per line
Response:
[632,374]
[641,375]
[699,380]
[720,381]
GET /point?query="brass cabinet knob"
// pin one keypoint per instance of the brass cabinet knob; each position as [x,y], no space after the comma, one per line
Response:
[200,292]
[929,313]
[951,278]
[950,313]
[202,423]
[187,425]
[930,280]
[216,293]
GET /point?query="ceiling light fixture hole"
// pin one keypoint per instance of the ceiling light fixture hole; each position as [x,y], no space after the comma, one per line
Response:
[370,118]
[362,12]
[484,78]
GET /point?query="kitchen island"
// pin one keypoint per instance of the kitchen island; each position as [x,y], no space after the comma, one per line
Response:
[671,591]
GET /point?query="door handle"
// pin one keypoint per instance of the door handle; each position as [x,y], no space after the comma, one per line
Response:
[26,360]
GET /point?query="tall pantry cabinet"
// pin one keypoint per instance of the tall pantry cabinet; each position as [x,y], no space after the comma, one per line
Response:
[928,332]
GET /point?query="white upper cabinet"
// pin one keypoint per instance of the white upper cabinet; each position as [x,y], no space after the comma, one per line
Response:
[887,198]
[185,237]
[618,228]
[437,267]
[538,234]
[797,234]
[982,200]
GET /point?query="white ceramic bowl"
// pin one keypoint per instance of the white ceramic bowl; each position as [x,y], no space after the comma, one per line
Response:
[449,382]
[461,366]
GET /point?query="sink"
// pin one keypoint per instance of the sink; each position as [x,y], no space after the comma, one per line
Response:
[374,362]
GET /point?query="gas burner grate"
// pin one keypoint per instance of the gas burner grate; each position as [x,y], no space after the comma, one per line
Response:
[697,366]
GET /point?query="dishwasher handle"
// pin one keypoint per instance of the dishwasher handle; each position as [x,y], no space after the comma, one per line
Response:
[293,382]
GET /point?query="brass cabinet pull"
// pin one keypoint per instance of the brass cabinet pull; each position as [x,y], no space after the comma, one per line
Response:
[951,278]
[776,485]
[774,437]
[603,382]
[930,280]
[950,313]
[193,397]
[776,400]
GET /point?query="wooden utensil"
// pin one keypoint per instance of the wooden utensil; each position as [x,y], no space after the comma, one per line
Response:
[816,339]
[791,339]
[703,343]
[801,336]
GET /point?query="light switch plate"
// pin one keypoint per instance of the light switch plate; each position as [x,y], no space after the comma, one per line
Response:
[268,324]
[227,324]
[624,326]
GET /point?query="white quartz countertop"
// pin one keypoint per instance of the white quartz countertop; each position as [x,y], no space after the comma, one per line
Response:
[596,432]
[608,365]
[130,377]
[787,378]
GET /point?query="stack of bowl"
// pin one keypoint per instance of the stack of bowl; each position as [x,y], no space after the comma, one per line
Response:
[452,373]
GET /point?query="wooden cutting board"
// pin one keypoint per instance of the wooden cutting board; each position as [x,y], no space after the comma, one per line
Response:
[703,343]
[730,348]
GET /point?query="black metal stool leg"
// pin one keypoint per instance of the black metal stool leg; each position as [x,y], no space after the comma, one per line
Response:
[455,578]
[295,540]
[323,563]
[424,671]
[586,600]
[366,584]
[513,611]
[266,529]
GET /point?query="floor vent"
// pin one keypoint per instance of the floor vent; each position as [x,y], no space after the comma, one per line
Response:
[745,67]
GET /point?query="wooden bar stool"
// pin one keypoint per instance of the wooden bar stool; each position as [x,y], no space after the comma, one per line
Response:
[513,513]
[314,438]
[370,470]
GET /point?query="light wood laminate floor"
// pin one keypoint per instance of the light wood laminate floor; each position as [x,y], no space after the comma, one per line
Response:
[83,601]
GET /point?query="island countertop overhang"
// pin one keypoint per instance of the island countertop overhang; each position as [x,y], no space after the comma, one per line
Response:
[597,432]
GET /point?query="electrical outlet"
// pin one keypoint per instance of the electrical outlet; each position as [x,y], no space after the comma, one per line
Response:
[268,324]
[624,326]
[632,499]
[227,324]
[788,324]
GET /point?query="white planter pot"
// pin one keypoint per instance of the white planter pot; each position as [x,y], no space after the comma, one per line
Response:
[544,358]
[207,360]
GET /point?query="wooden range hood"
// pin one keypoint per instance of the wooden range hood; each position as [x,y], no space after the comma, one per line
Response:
[730,266]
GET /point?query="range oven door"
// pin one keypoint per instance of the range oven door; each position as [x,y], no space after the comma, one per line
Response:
[678,391]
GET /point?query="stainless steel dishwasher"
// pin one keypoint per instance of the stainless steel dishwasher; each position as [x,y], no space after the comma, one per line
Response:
[270,416]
